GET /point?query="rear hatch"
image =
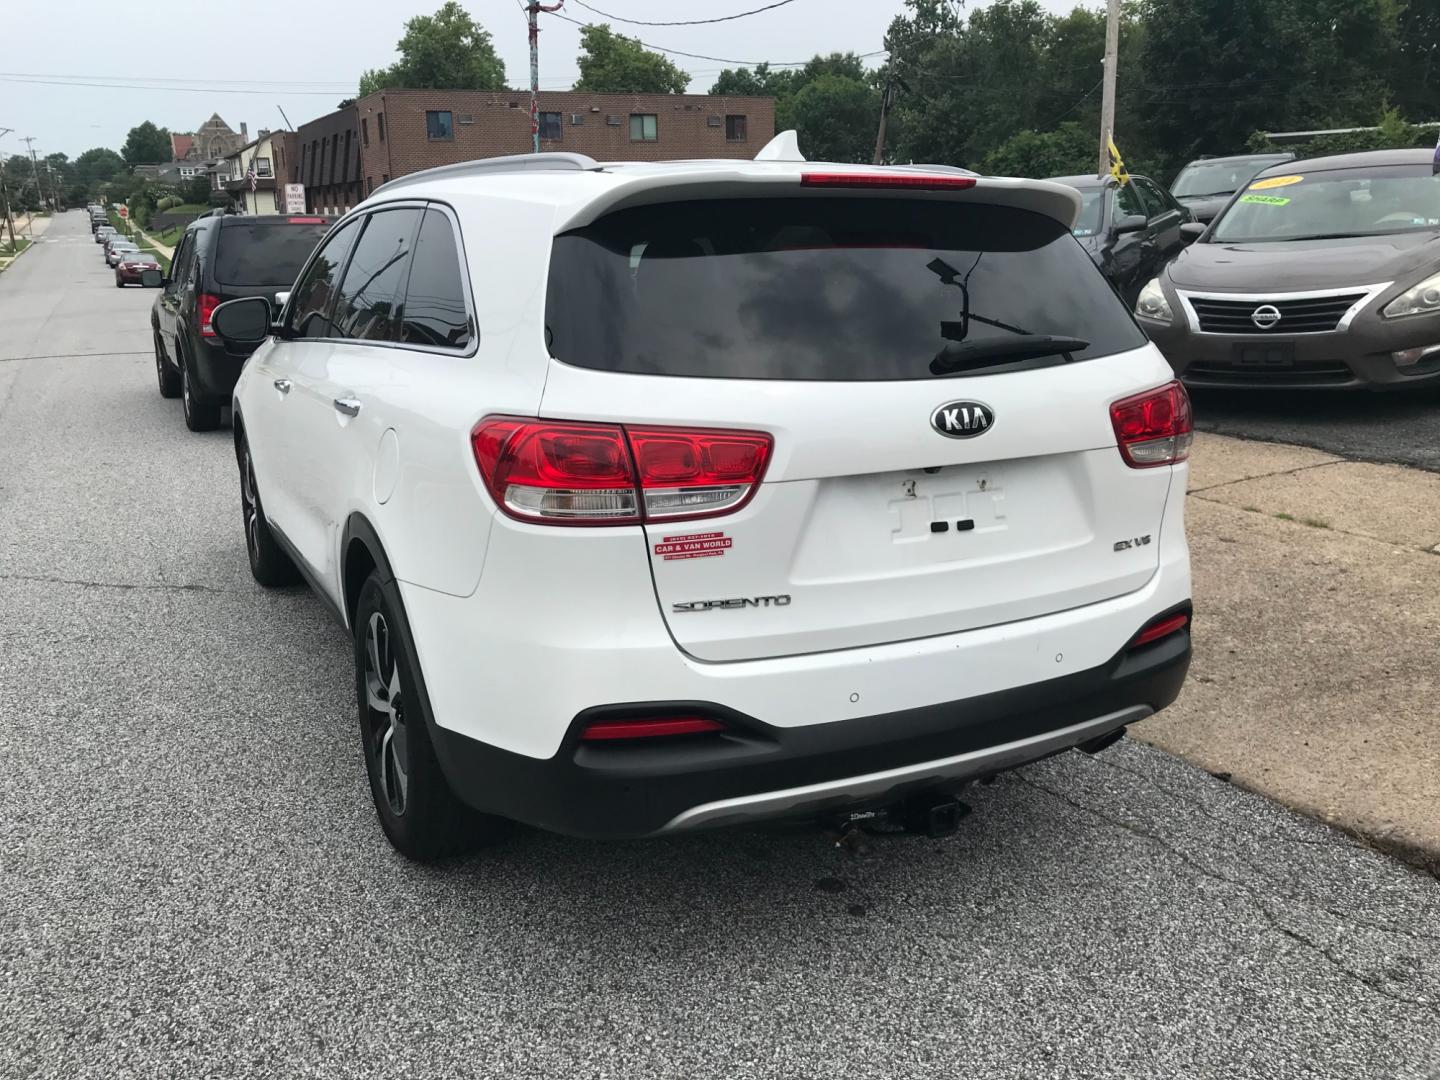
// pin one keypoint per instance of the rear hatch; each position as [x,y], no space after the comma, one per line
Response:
[918,484]
[258,256]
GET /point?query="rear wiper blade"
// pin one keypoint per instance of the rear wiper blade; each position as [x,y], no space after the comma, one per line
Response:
[960,355]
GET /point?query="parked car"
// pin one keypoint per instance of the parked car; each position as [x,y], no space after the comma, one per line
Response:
[1129,230]
[219,258]
[1206,185]
[130,269]
[1325,273]
[104,233]
[115,247]
[682,494]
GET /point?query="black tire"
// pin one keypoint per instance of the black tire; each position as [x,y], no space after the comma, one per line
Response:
[118,283]
[420,815]
[199,415]
[269,564]
[165,375]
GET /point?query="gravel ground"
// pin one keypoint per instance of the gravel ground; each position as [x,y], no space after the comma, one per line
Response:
[192,883]
[1402,427]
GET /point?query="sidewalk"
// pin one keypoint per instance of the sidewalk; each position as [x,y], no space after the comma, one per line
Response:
[146,240]
[1317,627]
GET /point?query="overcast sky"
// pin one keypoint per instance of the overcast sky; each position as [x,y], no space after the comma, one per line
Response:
[305,59]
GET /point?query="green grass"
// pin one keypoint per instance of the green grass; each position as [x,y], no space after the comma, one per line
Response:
[6,251]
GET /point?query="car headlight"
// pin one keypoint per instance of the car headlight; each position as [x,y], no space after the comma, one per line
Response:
[1152,303]
[1422,299]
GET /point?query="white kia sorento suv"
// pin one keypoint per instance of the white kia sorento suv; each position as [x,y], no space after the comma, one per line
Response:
[672,495]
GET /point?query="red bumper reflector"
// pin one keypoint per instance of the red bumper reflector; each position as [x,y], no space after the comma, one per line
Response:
[1164,628]
[606,730]
[913,181]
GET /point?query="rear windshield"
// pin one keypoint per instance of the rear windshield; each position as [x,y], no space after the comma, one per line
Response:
[832,289]
[264,253]
[1217,177]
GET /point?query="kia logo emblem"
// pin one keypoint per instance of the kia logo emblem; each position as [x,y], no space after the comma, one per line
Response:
[962,419]
[1265,316]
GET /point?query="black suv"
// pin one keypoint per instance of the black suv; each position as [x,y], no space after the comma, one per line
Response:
[221,257]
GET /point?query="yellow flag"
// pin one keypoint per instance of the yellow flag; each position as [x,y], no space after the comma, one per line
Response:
[1117,163]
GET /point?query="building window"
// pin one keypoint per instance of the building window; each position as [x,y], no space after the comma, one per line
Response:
[439,125]
[643,127]
[550,125]
[262,166]
[735,128]
[380,121]
[364,131]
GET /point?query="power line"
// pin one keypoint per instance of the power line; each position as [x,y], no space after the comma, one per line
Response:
[159,79]
[175,89]
[685,22]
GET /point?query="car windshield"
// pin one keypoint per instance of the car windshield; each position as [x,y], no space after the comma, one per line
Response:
[1092,204]
[831,289]
[1216,178]
[1369,201]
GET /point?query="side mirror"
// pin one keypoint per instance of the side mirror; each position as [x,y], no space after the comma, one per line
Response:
[1192,231]
[1129,223]
[242,322]
[151,278]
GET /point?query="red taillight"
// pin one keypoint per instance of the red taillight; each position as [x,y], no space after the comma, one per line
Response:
[650,728]
[306,220]
[208,303]
[1153,428]
[575,473]
[912,181]
[1161,628]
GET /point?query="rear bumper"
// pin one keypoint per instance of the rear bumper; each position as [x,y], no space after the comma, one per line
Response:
[755,771]
[216,371]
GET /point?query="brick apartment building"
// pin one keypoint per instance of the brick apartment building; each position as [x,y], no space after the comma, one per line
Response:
[347,154]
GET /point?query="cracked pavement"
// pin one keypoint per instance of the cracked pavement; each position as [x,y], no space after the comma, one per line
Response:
[192,883]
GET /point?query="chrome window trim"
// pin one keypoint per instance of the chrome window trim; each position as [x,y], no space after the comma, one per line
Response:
[1193,320]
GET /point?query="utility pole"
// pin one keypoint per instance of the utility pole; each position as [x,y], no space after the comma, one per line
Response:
[532,14]
[886,99]
[1107,100]
[29,141]
[5,193]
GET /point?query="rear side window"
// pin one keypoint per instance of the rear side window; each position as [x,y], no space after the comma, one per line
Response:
[435,313]
[315,295]
[830,289]
[370,298]
[264,253]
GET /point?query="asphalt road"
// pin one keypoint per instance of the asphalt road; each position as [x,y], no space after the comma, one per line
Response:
[1402,428]
[192,883]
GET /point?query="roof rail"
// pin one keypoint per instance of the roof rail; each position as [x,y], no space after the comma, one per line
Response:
[556,161]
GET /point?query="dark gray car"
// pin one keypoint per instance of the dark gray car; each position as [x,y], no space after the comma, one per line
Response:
[1205,186]
[1323,273]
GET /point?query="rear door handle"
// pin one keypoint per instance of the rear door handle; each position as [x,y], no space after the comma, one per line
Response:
[348,406]
[283,385]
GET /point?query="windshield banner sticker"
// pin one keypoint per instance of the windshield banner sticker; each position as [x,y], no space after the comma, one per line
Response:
[1274,182]
[1265,200]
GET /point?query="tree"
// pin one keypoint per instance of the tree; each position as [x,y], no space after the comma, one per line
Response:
[762,82]
[834,117]
[1067,150]
[196,190]
[445,51]
[97,164]
[611,63]
[146,145]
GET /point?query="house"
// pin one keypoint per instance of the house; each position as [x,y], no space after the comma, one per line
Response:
[347,154]
[232,175]
[212,141]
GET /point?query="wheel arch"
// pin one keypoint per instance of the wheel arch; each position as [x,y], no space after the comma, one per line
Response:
[361,552]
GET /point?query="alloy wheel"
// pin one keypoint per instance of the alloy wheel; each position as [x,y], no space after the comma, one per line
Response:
[251,504]
[385,710]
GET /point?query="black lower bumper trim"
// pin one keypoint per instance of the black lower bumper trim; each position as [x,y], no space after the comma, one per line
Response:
[608,790]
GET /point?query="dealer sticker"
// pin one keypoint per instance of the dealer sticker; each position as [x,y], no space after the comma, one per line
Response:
[1265,200]
[1274,182]
[694,546]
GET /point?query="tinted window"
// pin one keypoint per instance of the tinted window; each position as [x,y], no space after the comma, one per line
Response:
[1127,201]
[843,289]
[269,253]
[310,303]
[643,127]
[550,125]
[1342,202]
[368,306]
[438,125]
[1217,177]
[435,312]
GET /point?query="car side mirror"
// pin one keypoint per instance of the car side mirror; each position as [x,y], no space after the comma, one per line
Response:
[242,322]
[1192,231]
[151,278]
[1130,223]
